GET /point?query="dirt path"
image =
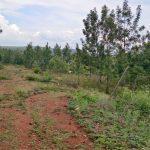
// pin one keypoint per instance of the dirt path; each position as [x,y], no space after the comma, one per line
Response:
[55,108]
[44,124]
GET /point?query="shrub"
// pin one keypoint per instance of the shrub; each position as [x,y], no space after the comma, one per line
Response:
[32,77]
[22,93]
[39,78]
[138,100]
[57,64]
[4,77]
[45,78]
[37,70]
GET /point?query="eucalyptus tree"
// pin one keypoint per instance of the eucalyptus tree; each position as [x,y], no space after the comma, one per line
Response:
[57,50]
[29,56]
[38,56]
[107,44]
[91,33]
[129,33]
[47,55]
[66,52]
[78,61]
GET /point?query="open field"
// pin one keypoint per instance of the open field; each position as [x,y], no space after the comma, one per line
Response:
[32,118]
[63,90]
[37,113]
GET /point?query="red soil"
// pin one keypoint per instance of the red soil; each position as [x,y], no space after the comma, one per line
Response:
[56,109]
[50,106]
[22,128]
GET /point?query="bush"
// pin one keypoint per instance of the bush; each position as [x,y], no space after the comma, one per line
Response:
[39,78]
[4,78]
[32,77]
[22,93]
[57,64]
[138,100]
[37,70]
[45,78]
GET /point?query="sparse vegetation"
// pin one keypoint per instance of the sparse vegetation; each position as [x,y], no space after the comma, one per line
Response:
[1,66]
[3,97]
[8,134]
[39,78]
[37,70]
[3,78]
[43,127]
[120,123]
[96,96]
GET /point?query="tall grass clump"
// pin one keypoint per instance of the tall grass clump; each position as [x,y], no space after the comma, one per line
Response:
[45,77]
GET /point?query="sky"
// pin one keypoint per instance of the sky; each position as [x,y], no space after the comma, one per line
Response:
[53,21]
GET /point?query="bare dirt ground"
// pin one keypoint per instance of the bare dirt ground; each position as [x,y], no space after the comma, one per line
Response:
[42,121]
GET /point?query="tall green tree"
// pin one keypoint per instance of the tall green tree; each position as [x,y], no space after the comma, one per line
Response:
[29,56]
[91,33]
[129,33]
[66,52]
[47,55]
[57,50]
[107,44]
[38,56]
[78,62]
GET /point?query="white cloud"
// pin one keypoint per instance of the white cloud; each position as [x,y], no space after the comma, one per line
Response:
[13,35]
[50,20]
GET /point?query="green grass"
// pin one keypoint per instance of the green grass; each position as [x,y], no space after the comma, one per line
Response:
[121,123]
[1,66]
[7,135]
[42,127]
[22,94]
[37,70]
[39,78]
[3,97]
[4,77]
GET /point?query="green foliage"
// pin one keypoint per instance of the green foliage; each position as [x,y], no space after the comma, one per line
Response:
[57,51]
[67,53]
[83,100]
[37,70]
[32,77]
[22,93]
[46,77]
[57,64]
[39,78]
[1,66]
[46,56]
[3,97]
[29,56]
[113,40]
[122,123]
[4,78]
[138,99]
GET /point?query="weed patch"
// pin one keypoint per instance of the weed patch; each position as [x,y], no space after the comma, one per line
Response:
[4,78]
[7,135]
[122,123]
[1,66]
[39,78]
[43,128]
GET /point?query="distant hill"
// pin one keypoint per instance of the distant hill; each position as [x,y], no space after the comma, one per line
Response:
[14,47]
[22,48]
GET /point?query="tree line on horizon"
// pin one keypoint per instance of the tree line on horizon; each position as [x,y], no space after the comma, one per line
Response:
[113,41]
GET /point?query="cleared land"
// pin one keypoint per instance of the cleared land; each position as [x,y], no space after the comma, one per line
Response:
[49,111]
[32,118]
